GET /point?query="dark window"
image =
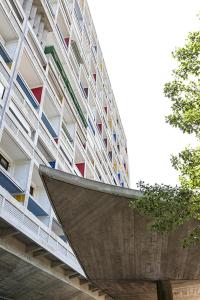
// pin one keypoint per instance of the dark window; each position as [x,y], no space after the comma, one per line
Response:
[3,162]
[31,190]
[2,90]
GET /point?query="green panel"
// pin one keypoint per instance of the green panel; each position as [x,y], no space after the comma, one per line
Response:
[51,50]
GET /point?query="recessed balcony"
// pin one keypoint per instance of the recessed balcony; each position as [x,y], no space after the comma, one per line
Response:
[29,80]
[8,38]
[13,174]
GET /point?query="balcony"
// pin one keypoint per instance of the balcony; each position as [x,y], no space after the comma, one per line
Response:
[35,208]
[84,91]
[8,36]
[9,184]
[25,222]
[30,96]
[4,54]
[51,50]
[91,126]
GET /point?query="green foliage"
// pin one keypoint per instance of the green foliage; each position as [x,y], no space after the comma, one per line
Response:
[170,207]
[188,164]
[183,90]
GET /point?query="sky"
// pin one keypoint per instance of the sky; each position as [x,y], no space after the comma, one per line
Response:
[137,38]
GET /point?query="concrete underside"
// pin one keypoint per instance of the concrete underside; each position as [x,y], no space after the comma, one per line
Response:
[117,251]
[20,280]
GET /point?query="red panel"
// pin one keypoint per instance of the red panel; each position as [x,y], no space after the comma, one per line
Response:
[106,109]
[86,91]
[95,76]
[100,127]
[106,142]
[37,93]
[81,167]
[66,41]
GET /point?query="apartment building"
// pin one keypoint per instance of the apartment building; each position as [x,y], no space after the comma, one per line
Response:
[57,109]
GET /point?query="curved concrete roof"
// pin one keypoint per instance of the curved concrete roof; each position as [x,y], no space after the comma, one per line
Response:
[113,243]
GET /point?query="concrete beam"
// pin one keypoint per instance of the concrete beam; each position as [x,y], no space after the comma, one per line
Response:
[32,248]
[8,232]
[55,264]
[41,252]
[164,290]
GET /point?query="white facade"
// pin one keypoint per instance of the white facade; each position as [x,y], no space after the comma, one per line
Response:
[57,105]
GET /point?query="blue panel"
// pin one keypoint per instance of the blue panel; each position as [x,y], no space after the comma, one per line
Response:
[63,237]
[8,184]
[27,92]
[48,126]
[119,175]
[115,136]
[52,164]
[35,208]
[4,54]
[91,126]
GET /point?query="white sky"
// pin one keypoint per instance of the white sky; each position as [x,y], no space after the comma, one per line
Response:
[137,38]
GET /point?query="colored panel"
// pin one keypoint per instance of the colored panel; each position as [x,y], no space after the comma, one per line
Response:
[53,164]
[105,142]
[37,92]
[91,126]
[27,92]
[20,197]
[86,92]
[66,41]
[48,126]
[4,54]
[7,183]
[35,208]
[100,127]
[81,167]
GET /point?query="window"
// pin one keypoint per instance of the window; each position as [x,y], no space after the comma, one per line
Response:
[2,90]
[31,190]
[3,162]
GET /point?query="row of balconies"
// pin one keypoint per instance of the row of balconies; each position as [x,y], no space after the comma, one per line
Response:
[34,97]
[84,84]
[36,20]
[21,219]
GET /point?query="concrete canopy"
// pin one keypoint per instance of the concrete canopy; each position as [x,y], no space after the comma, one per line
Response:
[117,251]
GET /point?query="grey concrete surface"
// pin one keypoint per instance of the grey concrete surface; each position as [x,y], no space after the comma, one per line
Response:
[114,245]
[20,280]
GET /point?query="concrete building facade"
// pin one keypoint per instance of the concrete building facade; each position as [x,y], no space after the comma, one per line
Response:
[57,109]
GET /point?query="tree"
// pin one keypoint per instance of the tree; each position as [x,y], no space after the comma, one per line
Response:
[172,206]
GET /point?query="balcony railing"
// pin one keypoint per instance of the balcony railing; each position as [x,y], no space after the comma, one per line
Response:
[9,184]
[48,126]
[4,54]
[91,126]
[35,208]
[27,91]
[24,221]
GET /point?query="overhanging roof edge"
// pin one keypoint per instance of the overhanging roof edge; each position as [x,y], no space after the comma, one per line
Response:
[88,184]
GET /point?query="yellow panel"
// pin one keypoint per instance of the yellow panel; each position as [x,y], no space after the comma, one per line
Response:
[9,65]
[20,197]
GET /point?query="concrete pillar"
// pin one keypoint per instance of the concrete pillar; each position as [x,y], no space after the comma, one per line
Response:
[33,14]
[164,290]
[37,23]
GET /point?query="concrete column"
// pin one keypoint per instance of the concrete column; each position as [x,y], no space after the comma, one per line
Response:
[164,290]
